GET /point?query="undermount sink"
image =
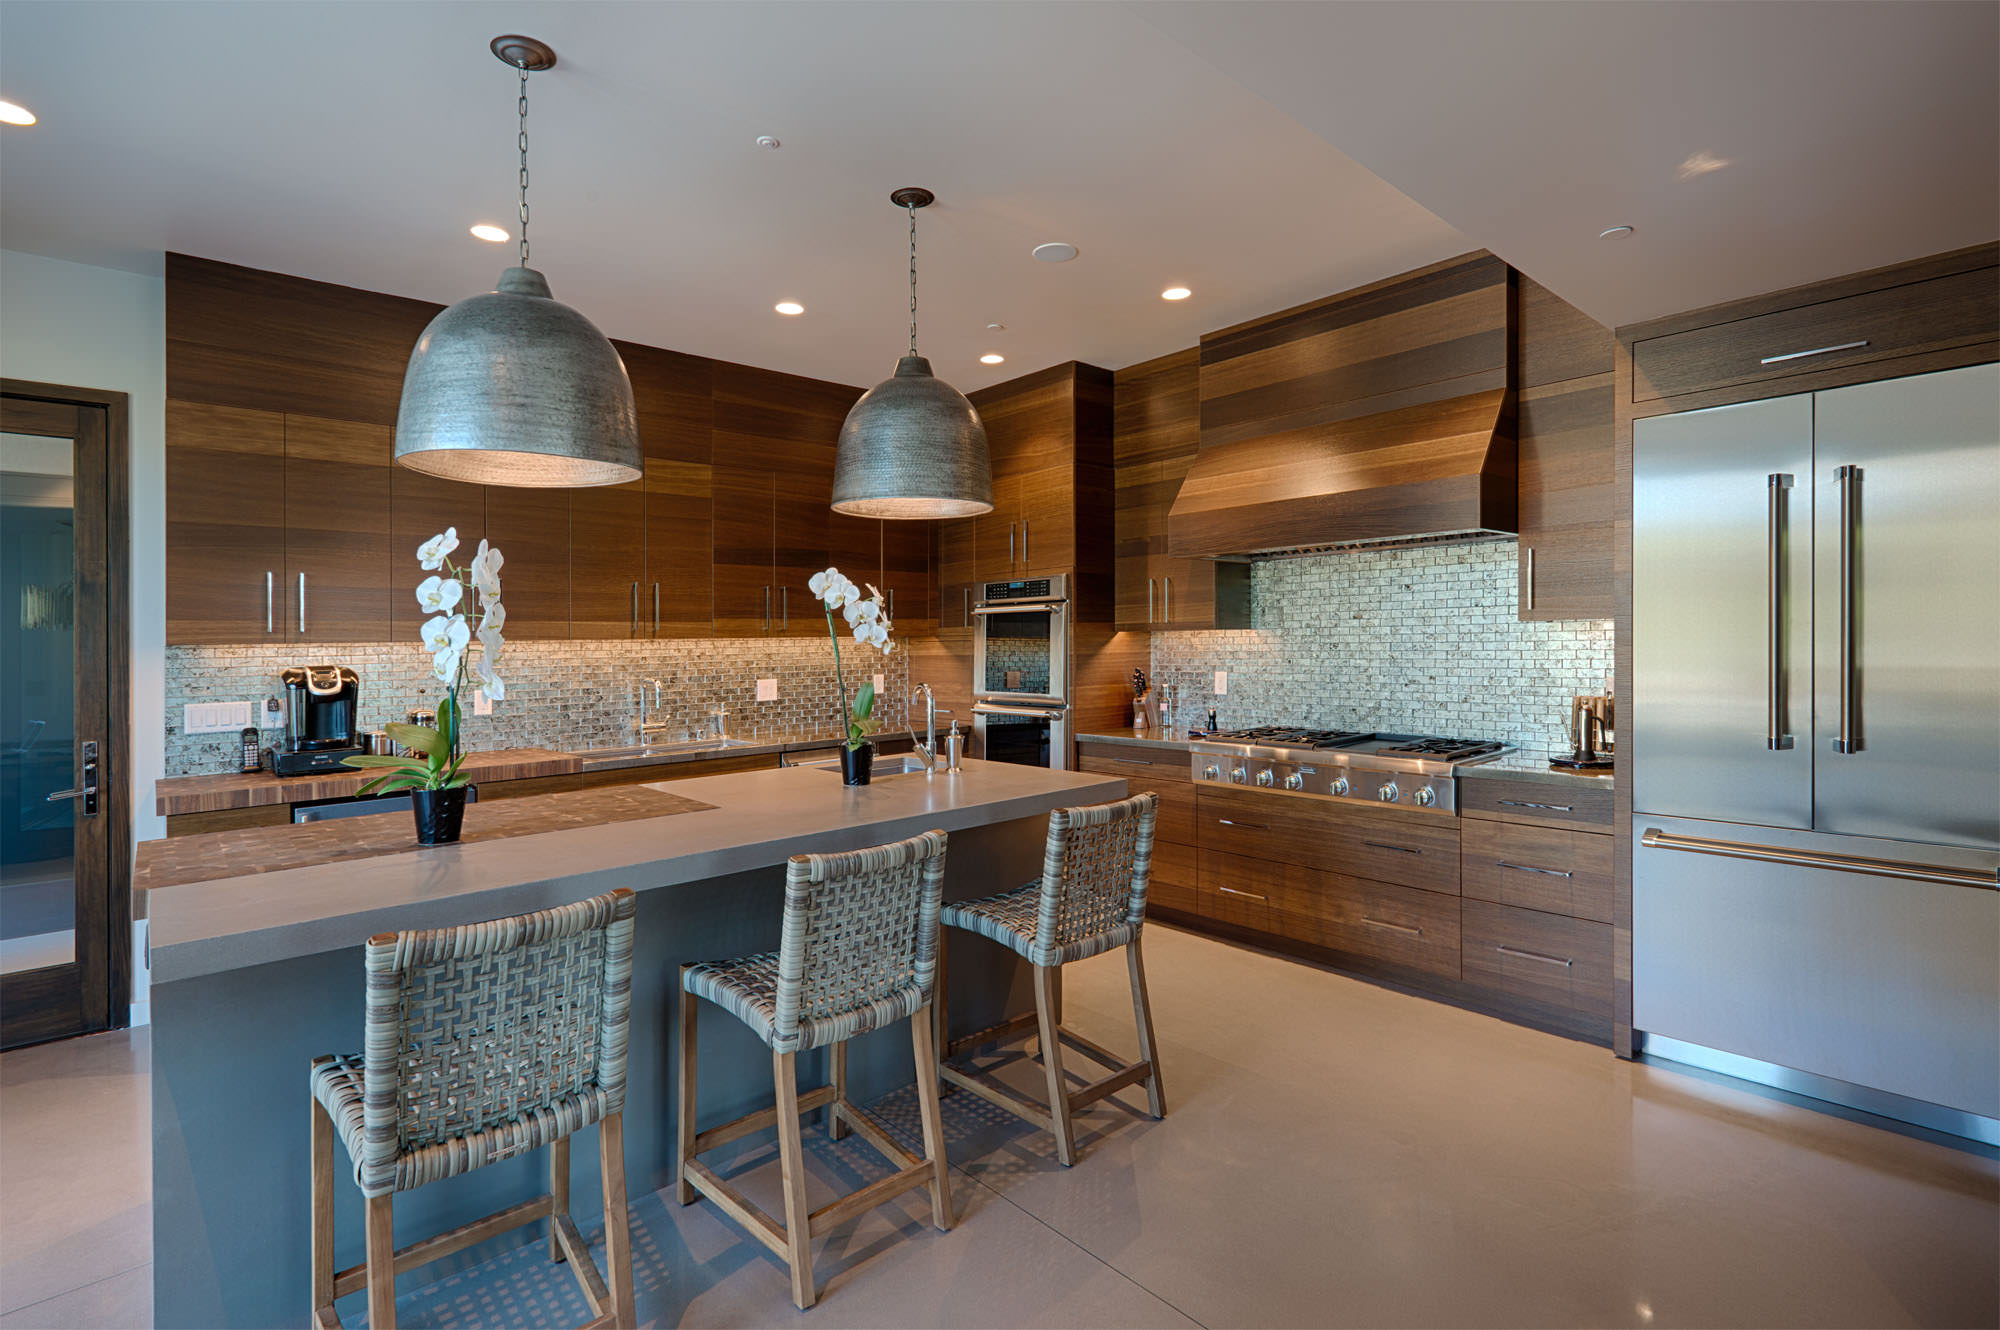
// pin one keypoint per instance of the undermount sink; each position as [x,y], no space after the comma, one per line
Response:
[667,749]
[897,764]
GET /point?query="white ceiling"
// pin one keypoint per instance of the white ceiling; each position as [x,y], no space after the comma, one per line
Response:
[1186,143]
[355,142]
[1859,134]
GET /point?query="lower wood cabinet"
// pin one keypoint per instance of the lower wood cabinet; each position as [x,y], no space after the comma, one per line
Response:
[1407,849]
[1401,926]
[1550,959]
[1538,868]
[1175,880]
[1538,803]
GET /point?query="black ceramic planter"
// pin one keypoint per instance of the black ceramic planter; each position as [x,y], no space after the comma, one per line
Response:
[857,764]
[440,814]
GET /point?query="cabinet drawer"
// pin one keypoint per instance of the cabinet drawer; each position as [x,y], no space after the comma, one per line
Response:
[1535,802]
[1547,958]
[1399,925]
[1830,334]
[1176,818]
[1173,881]
[1409,849]
[1295,897]
[1238,891]
[1539,868]
[1154,766]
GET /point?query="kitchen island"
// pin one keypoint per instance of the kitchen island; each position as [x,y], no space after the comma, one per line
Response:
[255,973]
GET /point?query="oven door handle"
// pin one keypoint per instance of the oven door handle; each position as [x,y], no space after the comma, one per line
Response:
[994,709]
[1022,607]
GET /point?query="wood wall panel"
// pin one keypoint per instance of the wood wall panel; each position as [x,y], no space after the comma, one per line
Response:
[337,521]
[1564,452]
[225,527]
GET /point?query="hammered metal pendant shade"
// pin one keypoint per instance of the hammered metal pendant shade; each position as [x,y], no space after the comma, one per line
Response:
[912,448]
[514,388]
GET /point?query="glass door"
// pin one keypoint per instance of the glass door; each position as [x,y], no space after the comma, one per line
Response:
[58,819]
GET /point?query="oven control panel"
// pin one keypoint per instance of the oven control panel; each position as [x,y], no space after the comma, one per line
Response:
[1346,782]
[1032,588]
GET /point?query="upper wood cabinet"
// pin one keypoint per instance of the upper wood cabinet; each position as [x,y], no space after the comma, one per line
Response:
[420,507]
[607,562]
[531,528]
[957,571]
[745,551]
[225,524]
[1049,438]
[337,524]
[908,579]
[1568,501]
[680,548]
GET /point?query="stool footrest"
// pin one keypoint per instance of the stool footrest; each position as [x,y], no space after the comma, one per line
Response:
[587,1274]
[738,1207]
[994,1094]
[992,1034]
[751,1123]
[1091,1048]
[355,1277]
[870,1196]
[871,1130]
[1112,1084]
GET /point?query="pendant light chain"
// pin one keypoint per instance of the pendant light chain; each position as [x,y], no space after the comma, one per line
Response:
[522,106]
[912,209]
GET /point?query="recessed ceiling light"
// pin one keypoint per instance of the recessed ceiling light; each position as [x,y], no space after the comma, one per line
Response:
[488,231]
[1055,252]
[1175,293]
[1614,233]
[13,113]
[789,307]
[992,358]
[1701,163]
[766,141]
[996,327]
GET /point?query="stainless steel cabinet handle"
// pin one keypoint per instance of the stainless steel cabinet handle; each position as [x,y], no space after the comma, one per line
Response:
[1373,922]
[1655,839]
[1166,600]
[1532,956]
[1132,761]
[965,594]
[892,603]
[1775,737]
[1229,822]
[270,595]
[785,608]
[635,607]
[1816,351]
[1553,808]
[1849,479]
[1529,868]
[1531,577]
[767,609]
[656,607]
[87,790]
[1010,545]
[1231,891]
[1150,617]
[1383,845]
[302,602]
[1024,540]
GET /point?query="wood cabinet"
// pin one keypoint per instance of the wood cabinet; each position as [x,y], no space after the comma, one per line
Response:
[1164,772]
[531,528]
[607,562]
[1549,959]
[1042,438]
[957,571]
[1538,868]
[337,562]
[1537,803]
[1384,845]
[745,551]
[420,507]
[679,591]
[908,578]
[1568,501]
[225,524]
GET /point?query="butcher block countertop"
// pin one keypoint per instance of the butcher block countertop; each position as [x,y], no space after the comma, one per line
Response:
[256,789]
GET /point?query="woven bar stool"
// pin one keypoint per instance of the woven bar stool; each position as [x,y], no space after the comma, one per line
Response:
[480,1043]
[858,951]
[1090,898]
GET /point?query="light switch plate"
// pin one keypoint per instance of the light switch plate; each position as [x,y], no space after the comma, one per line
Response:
[482,705]
[1221,683]
[878,685]
[767,690]
[216,717]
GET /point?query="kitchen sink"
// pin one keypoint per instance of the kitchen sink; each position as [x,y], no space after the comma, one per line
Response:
[667,749]
[898,764]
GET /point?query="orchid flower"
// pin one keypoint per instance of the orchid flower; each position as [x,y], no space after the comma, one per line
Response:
[486,572]
[440,595]
[445,632]
[482,670]
[431,554]
[490,639]
[832,588]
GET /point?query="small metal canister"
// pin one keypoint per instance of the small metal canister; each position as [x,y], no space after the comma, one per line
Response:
[378,743]
[954,749]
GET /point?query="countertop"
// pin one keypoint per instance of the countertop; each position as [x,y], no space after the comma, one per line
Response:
[1153,738]
[756,820]
[1521,764]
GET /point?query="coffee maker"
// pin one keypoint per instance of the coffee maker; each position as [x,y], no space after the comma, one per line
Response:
[322,710]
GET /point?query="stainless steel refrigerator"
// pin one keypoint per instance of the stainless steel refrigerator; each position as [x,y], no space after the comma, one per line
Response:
[1816,743]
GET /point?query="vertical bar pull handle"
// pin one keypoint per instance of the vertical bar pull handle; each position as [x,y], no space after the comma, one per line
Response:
[656,608]
[1166,600]
[635,608]
[302,603]
[1149,600]
[1775,736]
[1531,577]
[1024,542]
[1010,545]
[785,608]
[270,597]
[1849,479]
[767,609]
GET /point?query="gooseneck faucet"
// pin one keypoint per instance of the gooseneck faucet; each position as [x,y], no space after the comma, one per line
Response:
[927,748]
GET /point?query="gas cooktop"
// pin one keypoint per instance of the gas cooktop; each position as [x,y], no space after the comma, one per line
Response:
[1409,770]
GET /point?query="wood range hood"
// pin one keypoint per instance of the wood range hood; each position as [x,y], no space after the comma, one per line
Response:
[1438,472]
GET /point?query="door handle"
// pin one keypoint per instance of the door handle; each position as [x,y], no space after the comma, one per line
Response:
[1775,737]
[87,790]
[1230,822]
[1231,891]
[270,596]
[767,609]
[656,608]
[892,604]
[1523,803]
[784,609]
[1531,577]
[1166,600]
[302,603]
[1024,541]
[1849,478]
[1816,351]
[966,596]
[635,607]
[1010,545]
[1149,600]
[1383,845]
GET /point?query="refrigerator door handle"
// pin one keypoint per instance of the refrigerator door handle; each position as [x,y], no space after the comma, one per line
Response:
[1655,839]
[1775,736]
[1849,480]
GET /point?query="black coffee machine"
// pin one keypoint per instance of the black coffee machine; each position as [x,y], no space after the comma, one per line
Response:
[322,720]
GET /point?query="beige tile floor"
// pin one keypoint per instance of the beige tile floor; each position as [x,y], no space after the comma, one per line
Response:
[1334,1154]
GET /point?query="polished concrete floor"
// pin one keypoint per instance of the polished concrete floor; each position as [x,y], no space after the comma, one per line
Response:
[1334,1154]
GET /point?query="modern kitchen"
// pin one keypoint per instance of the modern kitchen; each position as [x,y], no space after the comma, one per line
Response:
[991,664]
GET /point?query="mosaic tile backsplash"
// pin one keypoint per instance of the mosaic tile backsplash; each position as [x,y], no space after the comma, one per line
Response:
[560,695]
[1420,641]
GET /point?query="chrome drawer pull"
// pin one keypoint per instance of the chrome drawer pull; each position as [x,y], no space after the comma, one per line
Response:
[1399,849]
[1553,808]
[1231,891]
[1525,868]
[1259,826]
[1816,351]
[1398,928]
[1533,956]
[1133,761]
[1655,839]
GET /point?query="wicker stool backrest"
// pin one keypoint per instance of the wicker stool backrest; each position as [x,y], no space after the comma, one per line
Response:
[474,1026]
[859,944]
[1095,870]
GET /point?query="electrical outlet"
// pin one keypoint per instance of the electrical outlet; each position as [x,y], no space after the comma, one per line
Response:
[878,685]
[274,715]
[1221,683]
[482,705]
[767,690]
[215,717]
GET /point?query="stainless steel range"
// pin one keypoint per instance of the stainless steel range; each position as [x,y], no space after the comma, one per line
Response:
[1408,770]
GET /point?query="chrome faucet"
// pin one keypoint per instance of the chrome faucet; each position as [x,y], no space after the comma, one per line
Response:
[926,749]
[659,701]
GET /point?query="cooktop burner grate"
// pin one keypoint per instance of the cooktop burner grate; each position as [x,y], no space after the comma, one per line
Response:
[1449,750]
[1293,737]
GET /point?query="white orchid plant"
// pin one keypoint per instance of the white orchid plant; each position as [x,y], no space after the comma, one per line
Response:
[869,622]
[464,603]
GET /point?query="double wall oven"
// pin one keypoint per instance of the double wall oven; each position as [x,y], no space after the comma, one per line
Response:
[1021,672]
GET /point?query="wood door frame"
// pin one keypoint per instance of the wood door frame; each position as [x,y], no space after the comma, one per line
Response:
[112,1008]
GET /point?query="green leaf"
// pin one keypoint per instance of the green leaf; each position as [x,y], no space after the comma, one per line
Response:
[385,760]
[391,782]
[864,701]
[420,737]
[448,720]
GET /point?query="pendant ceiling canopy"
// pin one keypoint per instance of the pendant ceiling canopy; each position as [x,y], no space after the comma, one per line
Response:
[512,387]
[913,447]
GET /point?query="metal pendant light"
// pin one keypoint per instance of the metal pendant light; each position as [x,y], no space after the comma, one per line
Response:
[912,447]
[512,387]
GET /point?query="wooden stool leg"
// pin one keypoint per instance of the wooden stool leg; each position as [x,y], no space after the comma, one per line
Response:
[684,1089]
[322,1210]
[559,1192]
[933,1120]
[381,1263]
[835,1126]
[791,1161]
[1142,1015]
[1046,997]
[617,1222]
[941,1014]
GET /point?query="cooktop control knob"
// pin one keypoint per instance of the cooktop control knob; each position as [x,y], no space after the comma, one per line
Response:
[1426,797]
[1388,794]
[1295,781]
[1265,778]
[1211,772]
[1339,785]
[1237,775]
